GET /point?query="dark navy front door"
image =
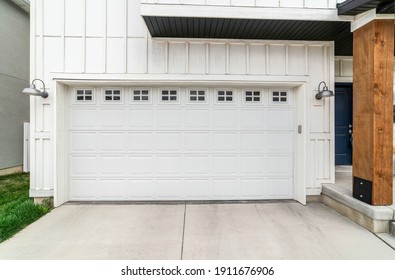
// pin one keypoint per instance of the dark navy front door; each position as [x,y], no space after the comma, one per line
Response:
[343,124]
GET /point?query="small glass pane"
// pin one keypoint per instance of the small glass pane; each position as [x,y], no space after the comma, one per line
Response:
[248,93]
[221,98]
[283,99]
[201,98]
[257,93]
[257,99]
[193,98]
[88,98]
[117,98]
[136,92]
[165,98]
[80,98]
[221,93]
[108,98]
[173,98]
[136,98]
[80,92]
[283,93]
[276,93]
[248,98]
[193,92]
[275,99]
[229,93]
[144,98]
[144,92]
[229,98]
[165,92]
[173,92]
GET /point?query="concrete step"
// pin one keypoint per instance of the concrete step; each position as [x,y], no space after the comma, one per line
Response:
[392,227]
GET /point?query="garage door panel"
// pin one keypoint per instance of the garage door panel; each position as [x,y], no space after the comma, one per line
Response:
[170,189]
[280,165]
[253,118]
[112,165]
[139,189]
[169,165]
[197,189]
[112,119]
[166,119]
[280,119]
[197,118]
[225,119]
[83,165]
[83,118]
[253,188]
[111,190]
[227,165]
[197,165]
[166,142]
[196,151]
[225,141]
[225,189]
[280,188]
[280,142]
[140,142]
[253,142]
[83,142]
[197,141]
[253,165]
[140,118]
[111,142]
[83,189]
[139,165]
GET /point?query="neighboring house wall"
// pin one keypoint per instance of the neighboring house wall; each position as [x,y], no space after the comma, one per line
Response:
[14,76]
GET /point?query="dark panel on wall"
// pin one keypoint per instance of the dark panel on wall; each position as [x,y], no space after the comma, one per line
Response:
[180,27]
[355,7]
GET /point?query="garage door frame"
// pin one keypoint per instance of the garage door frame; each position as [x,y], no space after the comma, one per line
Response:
[61,88]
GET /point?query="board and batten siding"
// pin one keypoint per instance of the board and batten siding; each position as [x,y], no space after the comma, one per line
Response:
[99,37]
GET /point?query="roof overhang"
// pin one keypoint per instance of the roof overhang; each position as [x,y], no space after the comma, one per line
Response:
[253,29]
[255,23]
[23,4]
[356,7]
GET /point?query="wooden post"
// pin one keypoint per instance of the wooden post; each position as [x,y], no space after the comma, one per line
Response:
[373,74]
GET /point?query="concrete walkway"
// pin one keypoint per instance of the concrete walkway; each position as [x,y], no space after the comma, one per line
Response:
[281,230]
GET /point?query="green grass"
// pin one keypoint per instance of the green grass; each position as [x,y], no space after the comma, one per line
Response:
[17,210]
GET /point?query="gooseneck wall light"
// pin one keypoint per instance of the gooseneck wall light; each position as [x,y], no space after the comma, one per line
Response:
[32,90]
[325,92]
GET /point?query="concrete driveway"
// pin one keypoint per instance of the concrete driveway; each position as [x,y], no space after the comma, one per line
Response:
[284,230]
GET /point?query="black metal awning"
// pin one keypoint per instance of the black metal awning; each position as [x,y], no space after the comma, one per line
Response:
[253,29]
[355,7]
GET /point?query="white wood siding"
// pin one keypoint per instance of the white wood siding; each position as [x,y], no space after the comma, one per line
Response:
[110,38]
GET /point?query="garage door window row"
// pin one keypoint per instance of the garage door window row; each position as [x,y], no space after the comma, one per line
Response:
[172,96]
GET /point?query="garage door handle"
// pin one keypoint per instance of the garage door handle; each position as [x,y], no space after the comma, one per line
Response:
[300,129]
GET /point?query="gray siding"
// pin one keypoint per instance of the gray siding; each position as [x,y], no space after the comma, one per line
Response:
[14,76]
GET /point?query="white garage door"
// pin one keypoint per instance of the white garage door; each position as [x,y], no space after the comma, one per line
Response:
[181,144]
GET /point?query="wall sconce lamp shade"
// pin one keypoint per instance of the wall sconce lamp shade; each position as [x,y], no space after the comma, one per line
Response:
[32,90]
[325,92]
